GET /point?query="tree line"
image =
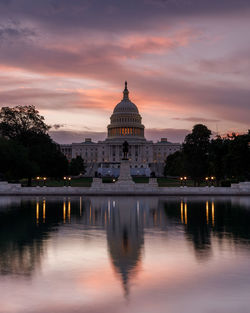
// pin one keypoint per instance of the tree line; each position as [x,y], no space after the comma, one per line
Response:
[225,158]
[27,150]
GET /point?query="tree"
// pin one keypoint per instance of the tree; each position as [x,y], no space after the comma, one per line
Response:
[195,149]
[24,126]
[175,164]
[14,160]
[21,121]
[238,156]
[76,166]
[218,150]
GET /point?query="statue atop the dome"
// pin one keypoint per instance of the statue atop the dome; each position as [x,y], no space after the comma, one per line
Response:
[125,150]
[125,92]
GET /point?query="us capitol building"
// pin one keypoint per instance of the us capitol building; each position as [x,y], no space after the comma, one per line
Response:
[102,158]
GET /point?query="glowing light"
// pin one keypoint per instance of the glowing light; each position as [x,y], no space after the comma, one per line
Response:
[64,211]
[213,213]
[69,210]
[44,210]
[207,211]
[185,210]
[182,212]
[37,212]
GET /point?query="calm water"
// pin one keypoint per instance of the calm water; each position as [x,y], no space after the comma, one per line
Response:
[143,255]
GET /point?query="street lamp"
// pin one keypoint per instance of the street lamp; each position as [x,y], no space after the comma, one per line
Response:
[210,180]
[181,181]
[64,180]
[44,181]
[38,180]
[69,179]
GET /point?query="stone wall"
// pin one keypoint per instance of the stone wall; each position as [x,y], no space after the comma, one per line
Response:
[99,188]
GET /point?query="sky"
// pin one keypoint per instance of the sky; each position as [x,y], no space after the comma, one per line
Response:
[186,62]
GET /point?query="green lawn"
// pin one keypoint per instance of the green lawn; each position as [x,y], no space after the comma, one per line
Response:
[141,180]
[86,182]
[175,182]
[75,182]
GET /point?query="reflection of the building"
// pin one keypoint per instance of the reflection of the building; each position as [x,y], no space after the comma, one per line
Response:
[26,225]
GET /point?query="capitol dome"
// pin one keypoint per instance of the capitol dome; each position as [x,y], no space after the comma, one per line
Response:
[125,120]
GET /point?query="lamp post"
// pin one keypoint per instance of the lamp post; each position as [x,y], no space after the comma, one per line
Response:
[44,181]
[38,180]
[185,180]
[210,180]
[69,179]
[64,180]
[181,181]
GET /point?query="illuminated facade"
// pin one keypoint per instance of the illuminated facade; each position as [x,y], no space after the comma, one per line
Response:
[103,157]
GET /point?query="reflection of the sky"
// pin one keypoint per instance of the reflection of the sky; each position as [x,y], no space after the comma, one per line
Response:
[124,254]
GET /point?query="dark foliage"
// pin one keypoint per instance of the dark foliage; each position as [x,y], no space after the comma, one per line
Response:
[26,150]
[195,149]
[175,164]
[227,159]
[76,166]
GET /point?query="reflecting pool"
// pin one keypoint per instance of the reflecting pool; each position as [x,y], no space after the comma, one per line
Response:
[124,254]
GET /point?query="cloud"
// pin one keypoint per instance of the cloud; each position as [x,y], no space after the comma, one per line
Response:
[196,119]
[57,126]
[69,136]
[113,15]
[99,44]
[236,63]
[14,31]
[172,134]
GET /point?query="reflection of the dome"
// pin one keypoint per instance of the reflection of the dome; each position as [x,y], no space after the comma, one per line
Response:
[125,239]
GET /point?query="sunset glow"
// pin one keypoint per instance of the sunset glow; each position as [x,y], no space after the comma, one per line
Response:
[185,62]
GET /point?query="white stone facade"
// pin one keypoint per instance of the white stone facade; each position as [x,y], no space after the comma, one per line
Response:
[104,157]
